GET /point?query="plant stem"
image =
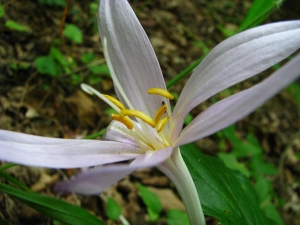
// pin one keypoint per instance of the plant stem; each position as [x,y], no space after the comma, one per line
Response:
[184,73]
[179,174]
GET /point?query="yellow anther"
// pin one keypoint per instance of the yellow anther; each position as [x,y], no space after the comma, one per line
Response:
[115,101]
[162,92]
[138,114]
[159,113]
[123,119]
[161,124]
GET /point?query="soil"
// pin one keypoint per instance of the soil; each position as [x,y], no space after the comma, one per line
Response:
[181,31]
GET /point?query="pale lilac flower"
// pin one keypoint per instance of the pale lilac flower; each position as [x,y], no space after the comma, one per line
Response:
[155,142]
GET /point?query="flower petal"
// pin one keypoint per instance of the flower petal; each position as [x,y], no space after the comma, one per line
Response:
[116,131]
[97,180]
[131,55]
[234,60]
[62,153]
[235,107]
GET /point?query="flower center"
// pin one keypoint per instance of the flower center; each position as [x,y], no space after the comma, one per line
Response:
[148,132]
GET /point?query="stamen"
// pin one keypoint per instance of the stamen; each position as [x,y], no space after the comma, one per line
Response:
[161,124]
[115,101]
[123,119]
[162,92]
[159,113]
[138,114]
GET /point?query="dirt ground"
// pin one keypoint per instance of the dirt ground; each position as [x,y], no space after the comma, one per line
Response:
[181,31]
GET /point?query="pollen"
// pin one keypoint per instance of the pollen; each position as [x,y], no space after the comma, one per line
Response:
[162,92]
[159,113]
[115,101]
[138,114]
[161,124]
[123,119]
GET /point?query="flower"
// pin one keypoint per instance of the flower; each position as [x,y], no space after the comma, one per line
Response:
[145,130]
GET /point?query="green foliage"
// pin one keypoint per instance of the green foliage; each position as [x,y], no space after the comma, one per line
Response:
[74,33]
[46,65]
[151,201]
[259,11]
[265,192]
[113,210]
[294,90]
[88,57]
[189,117]
[176,217]
[231,162]
[224,193]
[13,25]
[58,3]
[253,166]
[54,208]
[2,11]
[19,66]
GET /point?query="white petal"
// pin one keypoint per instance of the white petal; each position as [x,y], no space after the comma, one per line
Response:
[62,153]
[235,107]
[235,60]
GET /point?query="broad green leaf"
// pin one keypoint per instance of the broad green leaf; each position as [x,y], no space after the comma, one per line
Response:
[52,207]
[224,193]
[17,27]
[73,32]
[113,210]
[2,11]
[46,65]
[151,201]
[259,11]
[176,217]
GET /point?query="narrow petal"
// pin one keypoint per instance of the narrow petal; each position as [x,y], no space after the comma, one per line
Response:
[131,54]
[117,131]
[235,107]
[234,60]
[62,153]
[97,180]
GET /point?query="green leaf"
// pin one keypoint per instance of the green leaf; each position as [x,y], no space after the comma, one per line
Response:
[224,193]
[151,201]
[259,11]
[52,207]
[13,180]
[100,69]
[46,65]
[16,26]
[2,12]
[176,217]
[244,149]
[264,190]
[231,162]
[113,210]
[258,165]
[294,90]
[73,32]
[87,57]
[56,54]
